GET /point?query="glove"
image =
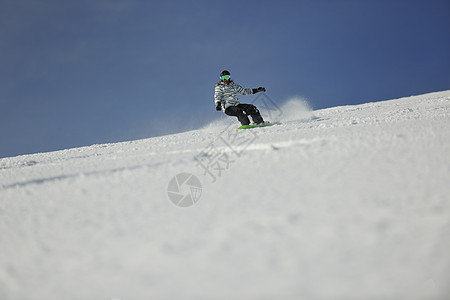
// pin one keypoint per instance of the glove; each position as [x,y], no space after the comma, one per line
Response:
[260,89]
[218,106]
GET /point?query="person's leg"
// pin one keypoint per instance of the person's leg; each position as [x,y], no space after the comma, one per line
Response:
[253,111]
[238,112]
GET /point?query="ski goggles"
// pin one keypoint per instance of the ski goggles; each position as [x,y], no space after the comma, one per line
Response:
[225,77]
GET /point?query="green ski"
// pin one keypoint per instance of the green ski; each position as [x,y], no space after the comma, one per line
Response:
[254,126]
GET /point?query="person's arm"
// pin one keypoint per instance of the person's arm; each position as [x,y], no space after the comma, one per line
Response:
[218,98]
[248,91]
[243,91]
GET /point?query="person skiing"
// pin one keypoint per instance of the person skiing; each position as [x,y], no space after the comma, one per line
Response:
[225,98]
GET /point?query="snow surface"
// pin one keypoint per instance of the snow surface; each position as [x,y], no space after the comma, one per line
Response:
[343,203]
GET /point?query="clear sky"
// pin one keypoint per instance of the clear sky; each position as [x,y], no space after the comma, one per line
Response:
[75,73]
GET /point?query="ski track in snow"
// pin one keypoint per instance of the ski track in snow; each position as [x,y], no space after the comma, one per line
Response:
[349,202]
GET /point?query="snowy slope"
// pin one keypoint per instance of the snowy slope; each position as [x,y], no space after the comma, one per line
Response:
[342,203]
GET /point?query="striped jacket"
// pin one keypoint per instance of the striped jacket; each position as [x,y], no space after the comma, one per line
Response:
[226,93]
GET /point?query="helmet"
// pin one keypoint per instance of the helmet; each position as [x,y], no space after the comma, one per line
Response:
[224,72]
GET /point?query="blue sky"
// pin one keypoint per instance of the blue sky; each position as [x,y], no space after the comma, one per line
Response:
[77,73]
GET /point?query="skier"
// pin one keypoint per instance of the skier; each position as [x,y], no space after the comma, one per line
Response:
[225,97]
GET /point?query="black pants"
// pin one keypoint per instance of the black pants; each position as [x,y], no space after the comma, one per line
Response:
[241,111]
